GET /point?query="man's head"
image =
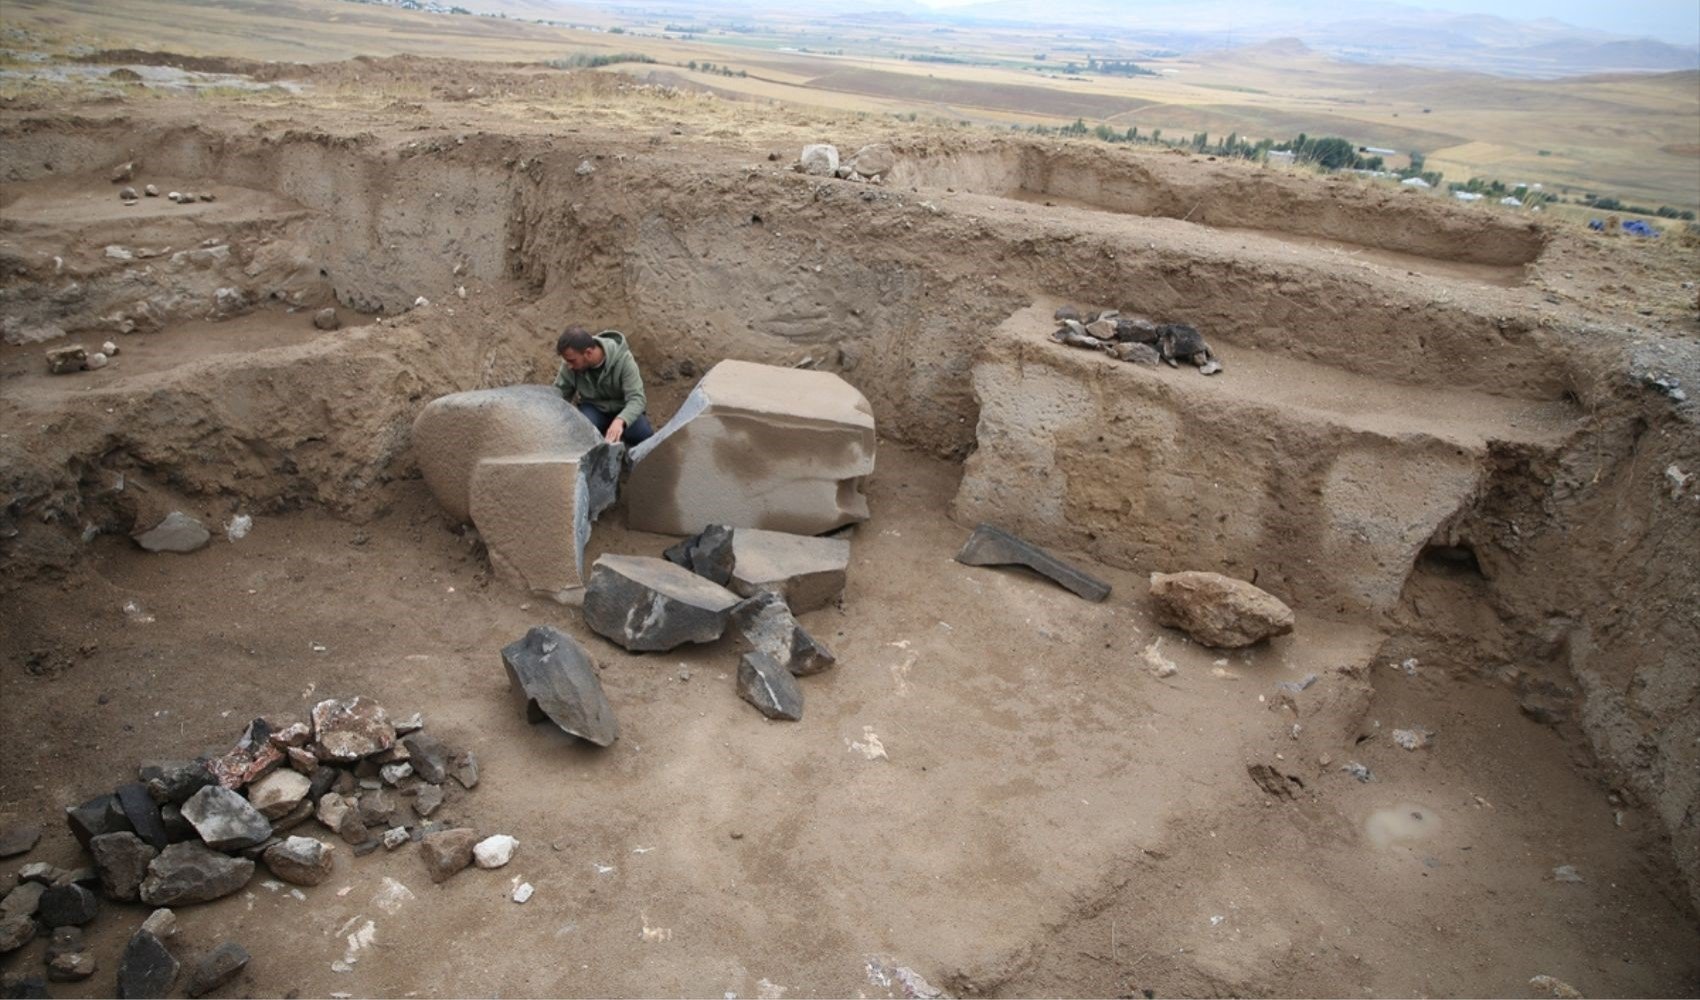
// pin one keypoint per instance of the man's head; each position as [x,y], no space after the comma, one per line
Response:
[579,349]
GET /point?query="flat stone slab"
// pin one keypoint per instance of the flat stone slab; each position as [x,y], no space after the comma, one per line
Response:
[989,546]
[101,814]
[768,625]
[178,532]
[15,840]
[650,605]
[804,571]
[193,873]
[708,554]
[558,682]
[1219,610]
[528,470]
[765,683]
[225,820]
[757,446]
[216,968]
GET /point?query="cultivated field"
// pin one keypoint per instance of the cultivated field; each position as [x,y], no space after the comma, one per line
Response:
[1636,138]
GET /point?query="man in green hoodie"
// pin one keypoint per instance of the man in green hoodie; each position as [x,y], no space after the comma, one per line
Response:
[601,376]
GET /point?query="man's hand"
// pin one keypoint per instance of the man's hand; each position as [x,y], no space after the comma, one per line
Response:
[615,429]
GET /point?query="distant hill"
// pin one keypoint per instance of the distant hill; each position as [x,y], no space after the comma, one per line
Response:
[1372,31]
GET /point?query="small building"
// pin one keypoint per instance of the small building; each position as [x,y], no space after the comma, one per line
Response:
[1282,156]
[1466,196]
[1511,201]
[1416,182]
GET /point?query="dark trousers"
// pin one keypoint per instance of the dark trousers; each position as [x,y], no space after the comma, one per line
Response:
[636,432]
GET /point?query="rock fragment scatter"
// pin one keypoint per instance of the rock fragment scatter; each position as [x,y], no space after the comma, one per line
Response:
[194,831]
[1135,339]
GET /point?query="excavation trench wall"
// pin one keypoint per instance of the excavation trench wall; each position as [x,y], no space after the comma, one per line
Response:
[1584,555]
[1230,195]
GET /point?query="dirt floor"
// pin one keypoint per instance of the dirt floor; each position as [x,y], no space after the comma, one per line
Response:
[994,786]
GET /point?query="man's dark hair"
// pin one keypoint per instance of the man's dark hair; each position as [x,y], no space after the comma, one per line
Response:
[576,339]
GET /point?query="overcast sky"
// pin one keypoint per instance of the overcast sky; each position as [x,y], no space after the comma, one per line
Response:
[1673,21]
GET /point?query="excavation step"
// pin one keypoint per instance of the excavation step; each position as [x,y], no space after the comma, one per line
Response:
[1321,484]
[990,546]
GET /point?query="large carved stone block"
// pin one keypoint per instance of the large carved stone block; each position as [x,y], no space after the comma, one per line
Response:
[528,470]
[755,446]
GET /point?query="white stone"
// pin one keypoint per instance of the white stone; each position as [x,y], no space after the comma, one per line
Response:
[494,852]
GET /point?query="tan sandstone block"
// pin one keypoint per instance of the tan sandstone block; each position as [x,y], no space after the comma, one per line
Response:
[757,446]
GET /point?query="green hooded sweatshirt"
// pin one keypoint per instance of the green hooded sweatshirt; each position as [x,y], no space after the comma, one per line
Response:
[614,386]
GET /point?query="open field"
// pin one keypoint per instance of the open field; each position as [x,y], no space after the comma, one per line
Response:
[1636,138]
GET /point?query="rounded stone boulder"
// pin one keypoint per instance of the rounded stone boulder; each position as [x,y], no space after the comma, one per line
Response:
[1219,610]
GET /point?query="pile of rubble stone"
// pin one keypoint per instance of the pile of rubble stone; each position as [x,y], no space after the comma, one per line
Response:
[1135,339]
[192,831]
[870,165]
[753,581]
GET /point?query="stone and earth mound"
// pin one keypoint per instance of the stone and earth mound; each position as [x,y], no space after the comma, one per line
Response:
[1425,540]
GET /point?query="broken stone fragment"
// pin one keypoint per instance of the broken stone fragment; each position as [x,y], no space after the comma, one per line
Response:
[395,774]
[299,860]
[68,906]
[427,800]
[989,546]
[466,768]
[65,360]
[39,871]
[142,812]
[146,969]
[16,840]
[332,807]
[377,808]
[16,931]
[768,625]
[351,729]
[819,159]
[528,470]
[193,873]
[757,446]
[394,837]
[557,680]
[766,684]
[124,171]
[161,923]
[428,756]
[23,901]
[874,160]
[1138,354]
[302,812]
[68,957]
[494,851]
[177,533]
[101,814]
[805,572]
[216,968]
[327,319]
[302,760]
[1217,610]
[245,763]
[707,554]
[175,781]
[651,605]
[177,827]
[225,820]
[447,851]
[122,860]
[296,734]
[278,793]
